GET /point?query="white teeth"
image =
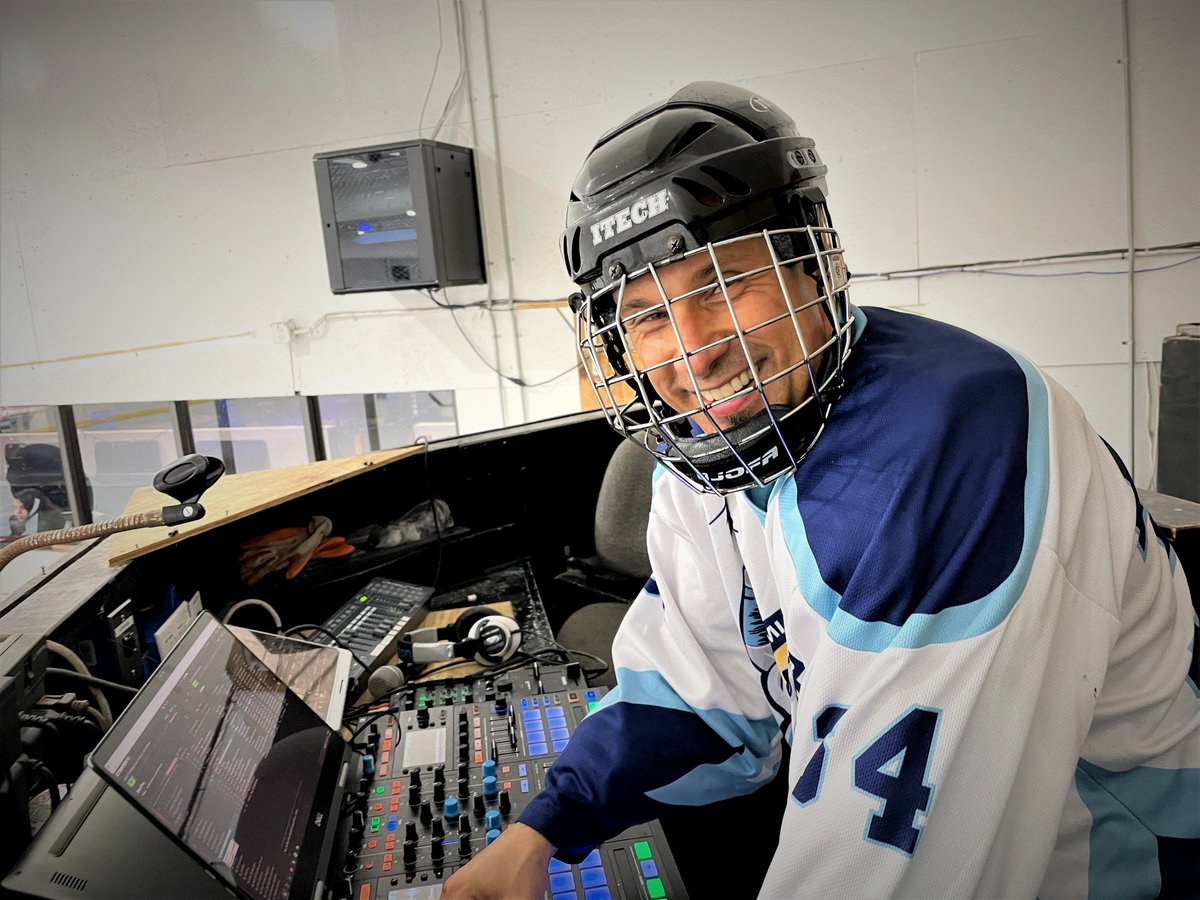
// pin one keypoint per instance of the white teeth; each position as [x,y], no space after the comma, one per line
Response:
[730,387]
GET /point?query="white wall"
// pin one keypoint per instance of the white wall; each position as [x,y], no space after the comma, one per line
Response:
[158,210]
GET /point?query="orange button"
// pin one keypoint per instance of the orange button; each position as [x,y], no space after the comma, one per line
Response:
[504,770]
[478,758]
[395,787]
[478,744]
[383,771]
[395,805]
[387,865]
[364,891]
[372,844]
[508,785]
[377,806]
[385,756]
[369,864]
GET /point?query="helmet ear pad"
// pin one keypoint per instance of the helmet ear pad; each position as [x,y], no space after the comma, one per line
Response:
[490,637]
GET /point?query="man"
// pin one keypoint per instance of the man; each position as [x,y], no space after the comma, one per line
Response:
[880,539]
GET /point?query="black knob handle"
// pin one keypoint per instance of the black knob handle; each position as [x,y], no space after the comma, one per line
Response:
[464,846]
[410,832]
[437,851]
[410,852]
[426,814]
[505,803]
[439,775]
[414,796]
[464,788]
[439,830]
[439,792]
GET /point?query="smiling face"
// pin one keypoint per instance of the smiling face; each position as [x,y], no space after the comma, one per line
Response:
[690,350]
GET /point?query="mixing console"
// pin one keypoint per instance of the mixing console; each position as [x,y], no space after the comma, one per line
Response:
[457,764]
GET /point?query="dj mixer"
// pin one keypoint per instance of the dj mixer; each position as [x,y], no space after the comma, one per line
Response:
[455,765]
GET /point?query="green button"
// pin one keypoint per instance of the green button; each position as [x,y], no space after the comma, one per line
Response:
[592,704]
[656,889]
[379,790]
[362,599]
[642,850]
[374,825]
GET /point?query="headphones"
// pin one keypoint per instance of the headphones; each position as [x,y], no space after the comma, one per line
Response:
[480,634]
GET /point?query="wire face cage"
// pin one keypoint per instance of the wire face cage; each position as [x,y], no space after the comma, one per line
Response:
[724,362]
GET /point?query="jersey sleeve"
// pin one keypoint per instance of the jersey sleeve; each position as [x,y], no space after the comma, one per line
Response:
[687,723]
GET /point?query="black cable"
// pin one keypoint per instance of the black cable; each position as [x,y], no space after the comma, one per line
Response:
[51,779]
[967,268]
[424,440]
[288,632]
[372,718]
[483,359]
[91,679]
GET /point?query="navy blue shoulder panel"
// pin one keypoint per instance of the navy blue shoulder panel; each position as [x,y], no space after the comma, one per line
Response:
[913,500]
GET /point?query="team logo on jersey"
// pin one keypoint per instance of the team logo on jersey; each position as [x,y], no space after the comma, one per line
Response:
[635,213]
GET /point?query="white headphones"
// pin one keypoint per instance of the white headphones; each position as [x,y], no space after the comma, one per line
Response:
[480,634]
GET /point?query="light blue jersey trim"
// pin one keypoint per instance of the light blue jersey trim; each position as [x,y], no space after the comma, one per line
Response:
[956,623]
[651,689]
[739,775]
[1128,809]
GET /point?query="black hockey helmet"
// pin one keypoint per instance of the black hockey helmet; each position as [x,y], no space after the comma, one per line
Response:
[713,163]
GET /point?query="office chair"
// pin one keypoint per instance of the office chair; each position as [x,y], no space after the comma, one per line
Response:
[609,581]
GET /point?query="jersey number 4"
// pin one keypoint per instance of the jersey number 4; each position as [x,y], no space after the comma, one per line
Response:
[893,768]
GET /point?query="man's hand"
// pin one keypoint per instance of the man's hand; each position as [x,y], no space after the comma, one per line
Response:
[515,866]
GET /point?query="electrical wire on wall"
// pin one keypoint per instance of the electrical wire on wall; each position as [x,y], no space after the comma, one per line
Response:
[519,382]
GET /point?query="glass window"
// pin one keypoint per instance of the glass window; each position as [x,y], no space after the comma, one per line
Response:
[402,418]
[35,496]
[249,435]
[356,423]
[123,446]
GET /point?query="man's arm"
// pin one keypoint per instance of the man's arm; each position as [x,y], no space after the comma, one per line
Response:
[513,867]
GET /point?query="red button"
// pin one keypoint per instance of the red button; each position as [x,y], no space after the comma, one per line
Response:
[504,770]
[372,844]
[364,891]
[395,787]
[377,807]
[478,758]
[508,785]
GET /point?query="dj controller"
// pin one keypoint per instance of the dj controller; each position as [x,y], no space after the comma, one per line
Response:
[455,764]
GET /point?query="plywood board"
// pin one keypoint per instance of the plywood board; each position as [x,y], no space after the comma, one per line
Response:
[237,496]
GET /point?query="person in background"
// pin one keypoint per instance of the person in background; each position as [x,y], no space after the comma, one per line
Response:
[32,505]
[879,539]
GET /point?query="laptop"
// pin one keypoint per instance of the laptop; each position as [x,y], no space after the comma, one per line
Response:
[319,674]
[232,767]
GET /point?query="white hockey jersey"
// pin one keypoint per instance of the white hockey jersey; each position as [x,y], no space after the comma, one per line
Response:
[960,618]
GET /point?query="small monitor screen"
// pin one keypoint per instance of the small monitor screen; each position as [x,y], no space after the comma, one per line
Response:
[376,219]
[227,760]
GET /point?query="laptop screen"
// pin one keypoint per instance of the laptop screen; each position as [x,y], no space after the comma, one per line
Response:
[237,768]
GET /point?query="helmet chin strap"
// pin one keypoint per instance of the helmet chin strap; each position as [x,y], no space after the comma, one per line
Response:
[769,445]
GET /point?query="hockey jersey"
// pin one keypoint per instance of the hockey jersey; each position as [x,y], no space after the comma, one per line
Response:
[960,618]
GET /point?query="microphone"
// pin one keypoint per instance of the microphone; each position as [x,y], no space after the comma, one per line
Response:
[384,680]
